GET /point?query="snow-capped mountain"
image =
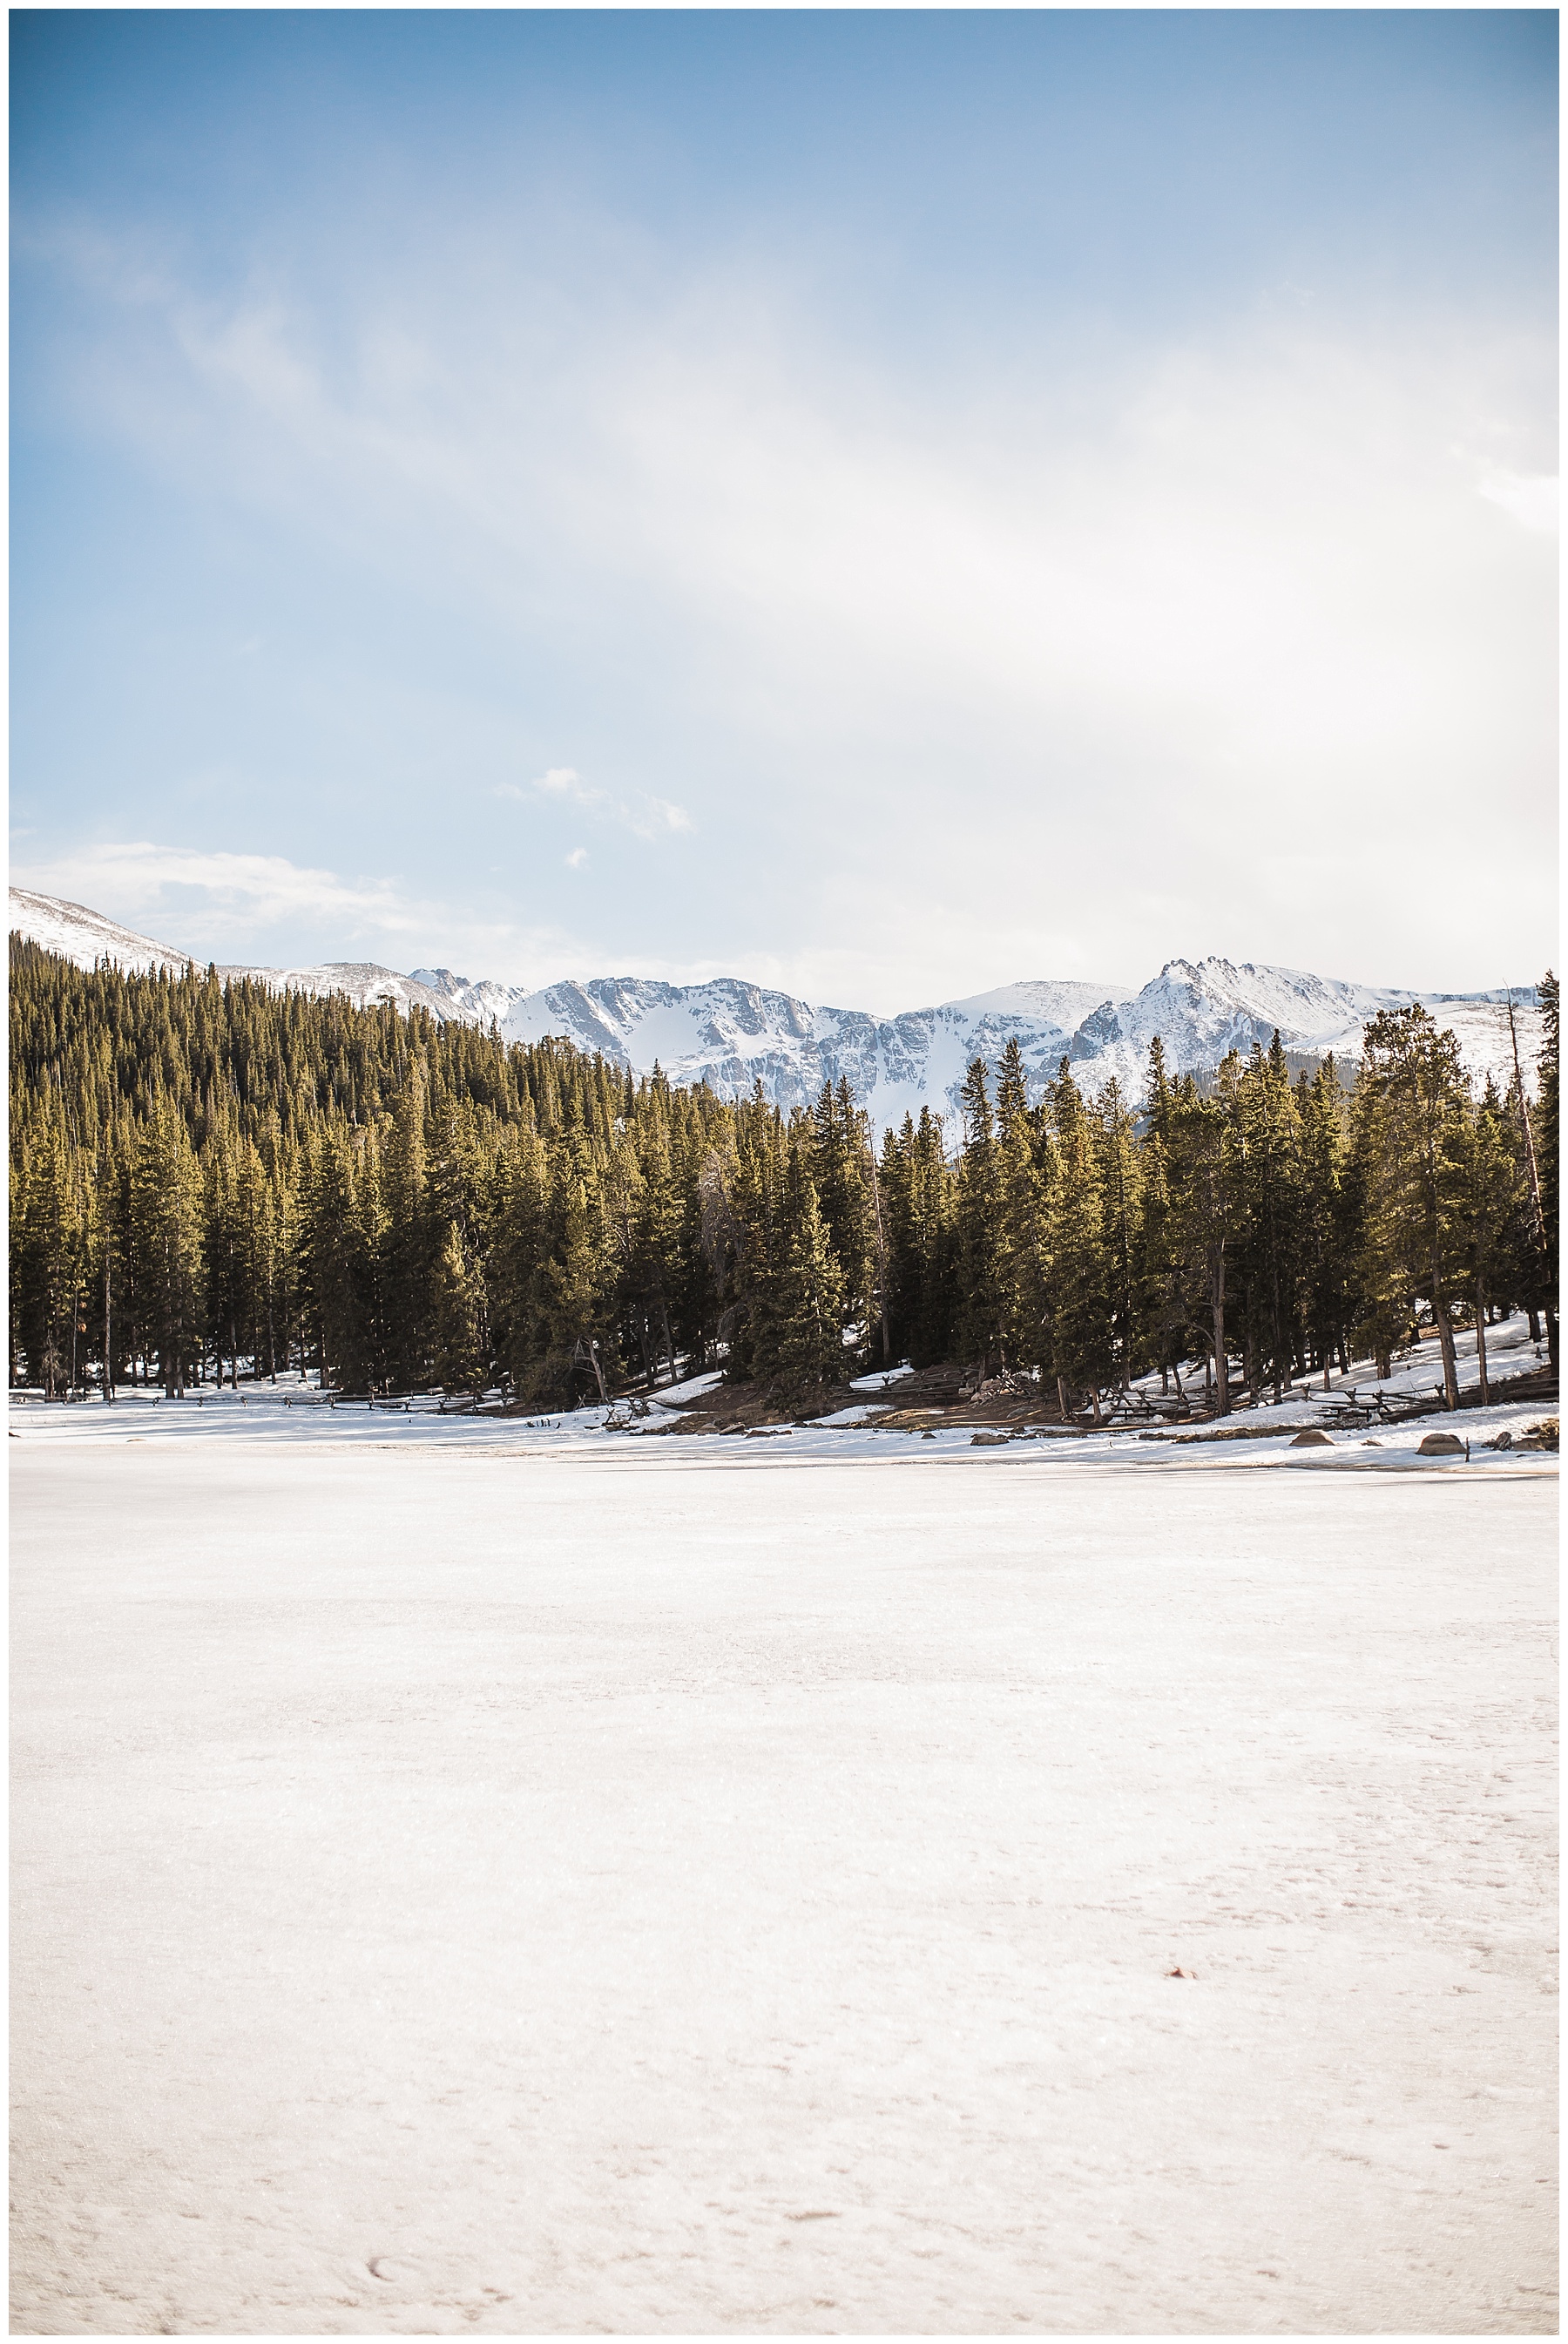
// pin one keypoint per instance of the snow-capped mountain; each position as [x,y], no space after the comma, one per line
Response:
[1204,1008]
[732,1034]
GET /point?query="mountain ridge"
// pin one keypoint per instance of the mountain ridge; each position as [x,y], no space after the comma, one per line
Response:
[731,1033]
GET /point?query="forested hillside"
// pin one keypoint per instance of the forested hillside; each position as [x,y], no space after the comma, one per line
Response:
[214,1180]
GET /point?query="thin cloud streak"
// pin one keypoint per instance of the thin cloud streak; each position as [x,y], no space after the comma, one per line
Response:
[646,816]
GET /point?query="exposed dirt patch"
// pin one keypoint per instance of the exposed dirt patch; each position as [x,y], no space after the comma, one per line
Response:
[743,1407]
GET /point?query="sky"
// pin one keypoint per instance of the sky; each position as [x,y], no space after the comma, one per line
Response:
[882,504]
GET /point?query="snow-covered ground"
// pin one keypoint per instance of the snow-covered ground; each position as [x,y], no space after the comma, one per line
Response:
[290,1413]
[883,1379]
[475,1878]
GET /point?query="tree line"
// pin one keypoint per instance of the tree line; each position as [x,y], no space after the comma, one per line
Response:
[212,1180]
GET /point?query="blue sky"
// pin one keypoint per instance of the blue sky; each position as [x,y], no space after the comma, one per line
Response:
[879,503]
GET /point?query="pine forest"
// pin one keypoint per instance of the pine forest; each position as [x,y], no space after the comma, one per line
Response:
[214,1182]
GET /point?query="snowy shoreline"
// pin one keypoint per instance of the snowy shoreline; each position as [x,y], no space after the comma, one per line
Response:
[271,1425]
[290,1413]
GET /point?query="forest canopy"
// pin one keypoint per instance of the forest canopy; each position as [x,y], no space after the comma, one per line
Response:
[210,1179]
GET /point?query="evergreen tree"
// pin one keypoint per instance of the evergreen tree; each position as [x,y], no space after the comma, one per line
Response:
[1161,1310]
[166,1233]
[572,1314]
[1266,1142]
[1422,1090]
[1079,1269]
[806,1318]
[1203,1220]
[457,1317]
[1489,1199]
[261,1216]
[1019,1265]
[980,1324]
[1382,1300]
[411,1233]
[47,1259]
[1119,1173]
[1324,1228]
[842,1175]
[924,1239]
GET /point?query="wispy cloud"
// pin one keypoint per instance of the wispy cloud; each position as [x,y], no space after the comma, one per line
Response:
[240,892]
[560,782]
[577,859]
[645,815]
[662,815]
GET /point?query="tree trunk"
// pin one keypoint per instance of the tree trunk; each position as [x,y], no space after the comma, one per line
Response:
[1445,1341]
[168,1361]
[1534,1172]
[1481,1344]
[108,1334]
[882,1255]
[1221,1364]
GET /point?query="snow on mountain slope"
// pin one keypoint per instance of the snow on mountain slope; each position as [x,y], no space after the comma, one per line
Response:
[475,1005]
[78,935]
[365,982]
[1063,1004]
[85,937]
[1202,1009]
[732,1034]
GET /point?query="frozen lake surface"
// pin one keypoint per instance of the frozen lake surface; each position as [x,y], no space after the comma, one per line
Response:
[693,1886]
